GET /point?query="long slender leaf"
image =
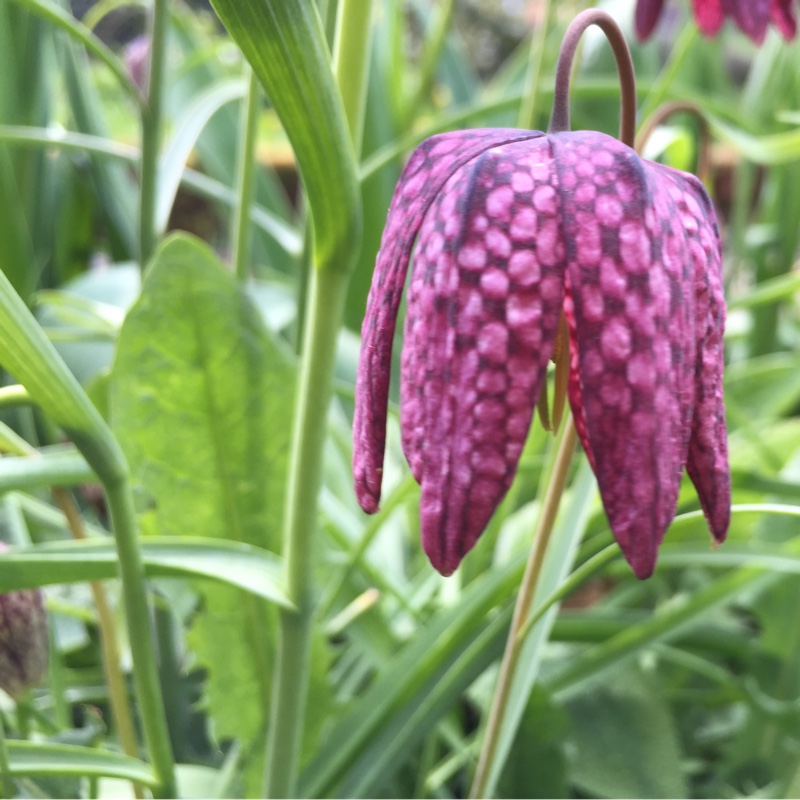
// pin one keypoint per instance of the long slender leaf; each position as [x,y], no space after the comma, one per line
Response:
[242,566]
[285,45]
[58,760]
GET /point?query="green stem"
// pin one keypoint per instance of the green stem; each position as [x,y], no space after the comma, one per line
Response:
[326,306]
[151,131]
[547,517]
[246,174]
[351,60]
[118,695]
[326,301]
[145,671]
[530,95]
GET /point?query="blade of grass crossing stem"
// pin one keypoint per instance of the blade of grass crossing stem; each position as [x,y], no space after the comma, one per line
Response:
[285,45]
[33,361]
[557,564]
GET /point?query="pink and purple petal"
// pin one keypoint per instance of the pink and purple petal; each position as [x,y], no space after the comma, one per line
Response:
[484,303]
[630,306]
[783,18]
[707,463]
[646,17]
[709,15]
[429,167]
[751,17]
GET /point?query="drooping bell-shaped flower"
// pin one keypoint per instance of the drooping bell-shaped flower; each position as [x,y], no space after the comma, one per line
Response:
[753,17]
[510,229]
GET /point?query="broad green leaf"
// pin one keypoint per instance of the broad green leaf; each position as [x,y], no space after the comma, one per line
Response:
[242,566]
[285,45]
[33,758]
[201,400]
[625,741]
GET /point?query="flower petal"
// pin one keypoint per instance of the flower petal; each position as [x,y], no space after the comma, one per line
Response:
[429,167]
[783,17]
[707,463]
[709,15]
[648,13]
[751,16]
[484,303]
[630,307]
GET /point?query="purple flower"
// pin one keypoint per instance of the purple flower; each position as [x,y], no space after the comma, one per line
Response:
[24,640]
[512,229]
[752,16]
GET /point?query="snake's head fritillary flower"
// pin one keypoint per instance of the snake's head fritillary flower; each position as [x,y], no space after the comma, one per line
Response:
[511,229]
[24,640]
[751,16]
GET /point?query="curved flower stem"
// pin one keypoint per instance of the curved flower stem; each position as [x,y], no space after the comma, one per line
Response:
[556,483]
[559,119]
[527,109]
[667,110]
[240,229]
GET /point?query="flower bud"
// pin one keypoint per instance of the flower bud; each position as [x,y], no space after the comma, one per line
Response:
[24,640]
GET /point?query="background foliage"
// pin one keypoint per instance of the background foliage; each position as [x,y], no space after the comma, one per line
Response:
[686,685]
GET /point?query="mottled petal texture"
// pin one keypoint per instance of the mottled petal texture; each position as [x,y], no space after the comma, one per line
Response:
[707,463]
[428,169]
[483,308]
[633,331]
[508,229]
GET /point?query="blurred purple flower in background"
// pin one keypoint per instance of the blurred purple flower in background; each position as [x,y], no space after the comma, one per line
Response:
[513,229]
[752,16]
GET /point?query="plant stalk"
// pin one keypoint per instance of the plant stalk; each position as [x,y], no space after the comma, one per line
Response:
[248,125]
[326,301]
[151,130]
[118,695]
[559,119]
[547,517]
[290,687]
[140,633]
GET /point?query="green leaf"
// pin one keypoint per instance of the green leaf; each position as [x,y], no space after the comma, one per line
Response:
[285,45]
[57,467]
[58,17]
[34,759]
[201,400]
[239,565]
[625,739]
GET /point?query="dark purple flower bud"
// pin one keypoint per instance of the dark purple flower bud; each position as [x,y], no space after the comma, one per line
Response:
[24,640]
[751,16]
[513,228]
